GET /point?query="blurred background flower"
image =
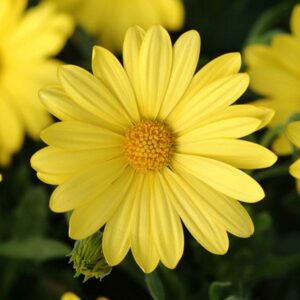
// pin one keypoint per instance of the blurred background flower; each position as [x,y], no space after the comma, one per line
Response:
[108,20]
[28,40]
[275,74]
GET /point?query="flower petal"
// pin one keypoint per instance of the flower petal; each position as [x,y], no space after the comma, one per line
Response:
[226,128]
[142,243]
[185,59]
[59,104]
[295,169]
[88,218]
[155,63]
[293,133]
[208,233]
[166,226]
[220,176]
[59,161]
[86,185]
[264,114]
[239,153]
[116,237]
[79,136]
[223,66]
[131,51]
[108,69]
[295,21]
[92,95]
[211,99]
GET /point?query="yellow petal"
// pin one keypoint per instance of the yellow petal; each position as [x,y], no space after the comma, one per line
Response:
[223,66]
[86,186]
[166,226]
[42,32]
[88,218]
[116,237]
[269,76]
[155,63]
[226,211]
[239,153]
[185,59]
[92,95]
[287,48]
[142,243]
[295,21]
[211,99]
[293,133]
[220,176]
[53,160]
[295,169]
[223,210]
[226,128]
[208,233]
[108,69]
[11,128]
[64,108]
[282,146]
[54,179]
[74,135]
[131,52]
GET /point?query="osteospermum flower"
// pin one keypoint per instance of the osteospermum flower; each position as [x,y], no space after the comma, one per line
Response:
[274,73]
[144,147]
[27,40]
[293,133]
[109,19]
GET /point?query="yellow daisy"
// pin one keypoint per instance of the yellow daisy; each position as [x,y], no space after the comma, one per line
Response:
[144,147]
[27,40]
[275,74]
[109,19]
[72,296]
[293,134]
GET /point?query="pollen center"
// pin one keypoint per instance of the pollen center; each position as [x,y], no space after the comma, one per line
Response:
[148,146]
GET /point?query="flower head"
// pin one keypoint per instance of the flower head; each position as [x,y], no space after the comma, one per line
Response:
[144,147]
[275,74]
[27,40]
[109,19]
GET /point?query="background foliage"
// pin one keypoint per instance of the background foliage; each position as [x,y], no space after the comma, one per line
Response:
[34,243]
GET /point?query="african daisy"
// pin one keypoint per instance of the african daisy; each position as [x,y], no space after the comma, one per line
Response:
[141,149]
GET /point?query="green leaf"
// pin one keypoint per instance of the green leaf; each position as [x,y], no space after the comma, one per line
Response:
[155,286]
[30,216]
[37,249]
[216,289]
[266,21]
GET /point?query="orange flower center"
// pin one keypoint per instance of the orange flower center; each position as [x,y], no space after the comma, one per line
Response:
[148,146]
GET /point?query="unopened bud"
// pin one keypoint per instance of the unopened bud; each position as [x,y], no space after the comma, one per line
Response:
[88,259]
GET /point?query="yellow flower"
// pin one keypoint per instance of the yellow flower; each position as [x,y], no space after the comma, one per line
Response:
[27,40]
[293,133]
[275,74]
[72,296]
[69,296]
[144,147]
[109,19]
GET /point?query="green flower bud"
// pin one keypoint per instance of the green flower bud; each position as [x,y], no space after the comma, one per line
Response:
[88,259]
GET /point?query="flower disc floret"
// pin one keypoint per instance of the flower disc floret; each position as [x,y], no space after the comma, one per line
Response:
[148,146]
